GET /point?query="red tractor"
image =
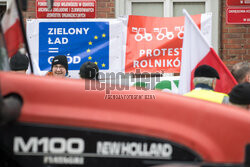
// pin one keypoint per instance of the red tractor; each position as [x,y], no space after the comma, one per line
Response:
[50,122]
[60,123]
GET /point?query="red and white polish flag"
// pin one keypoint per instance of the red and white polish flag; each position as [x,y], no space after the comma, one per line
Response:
[12,29]
[197,51]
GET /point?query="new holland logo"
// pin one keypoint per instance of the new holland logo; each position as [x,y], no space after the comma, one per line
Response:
[58,150]
[135,149]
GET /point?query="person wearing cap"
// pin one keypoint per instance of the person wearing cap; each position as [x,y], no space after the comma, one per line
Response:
[205,81]
[59,66]
[19,63]
[240,95]
[89,70]
[241,72]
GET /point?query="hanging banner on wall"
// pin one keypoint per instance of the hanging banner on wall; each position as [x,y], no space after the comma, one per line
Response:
[95,40]
[80,42]
[66,9]
[154,44]
[151,44]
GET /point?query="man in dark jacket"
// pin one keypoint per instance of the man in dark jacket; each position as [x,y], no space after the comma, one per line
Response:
[89,70]
[19,63]
[241,72]
[240,95]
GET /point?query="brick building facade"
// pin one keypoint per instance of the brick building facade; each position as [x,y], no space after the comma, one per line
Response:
[235,39]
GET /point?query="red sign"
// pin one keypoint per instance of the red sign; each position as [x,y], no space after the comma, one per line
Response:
[238,2]
[154,44]
[66,9]
[238,15]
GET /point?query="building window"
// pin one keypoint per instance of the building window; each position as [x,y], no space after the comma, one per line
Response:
[192,7]
[3,4]
[142,8]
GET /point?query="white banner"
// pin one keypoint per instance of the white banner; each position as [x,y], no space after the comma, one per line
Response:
[104,42]
[95,40]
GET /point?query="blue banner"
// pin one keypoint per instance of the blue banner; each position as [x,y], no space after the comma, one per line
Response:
[79,41]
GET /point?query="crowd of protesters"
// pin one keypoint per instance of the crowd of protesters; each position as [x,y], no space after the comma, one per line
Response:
[59,67]
[205,81]
[205,78]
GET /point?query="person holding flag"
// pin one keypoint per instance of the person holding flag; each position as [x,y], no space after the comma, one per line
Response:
[13,31]
[196,52]
[205,78]
[11,26]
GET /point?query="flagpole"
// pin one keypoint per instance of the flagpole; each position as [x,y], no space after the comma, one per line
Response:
[1,31]
[24,34]
[5,58]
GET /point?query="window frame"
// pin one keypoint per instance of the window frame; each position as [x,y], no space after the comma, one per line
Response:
[129,5]
[171,5]
[3,2]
